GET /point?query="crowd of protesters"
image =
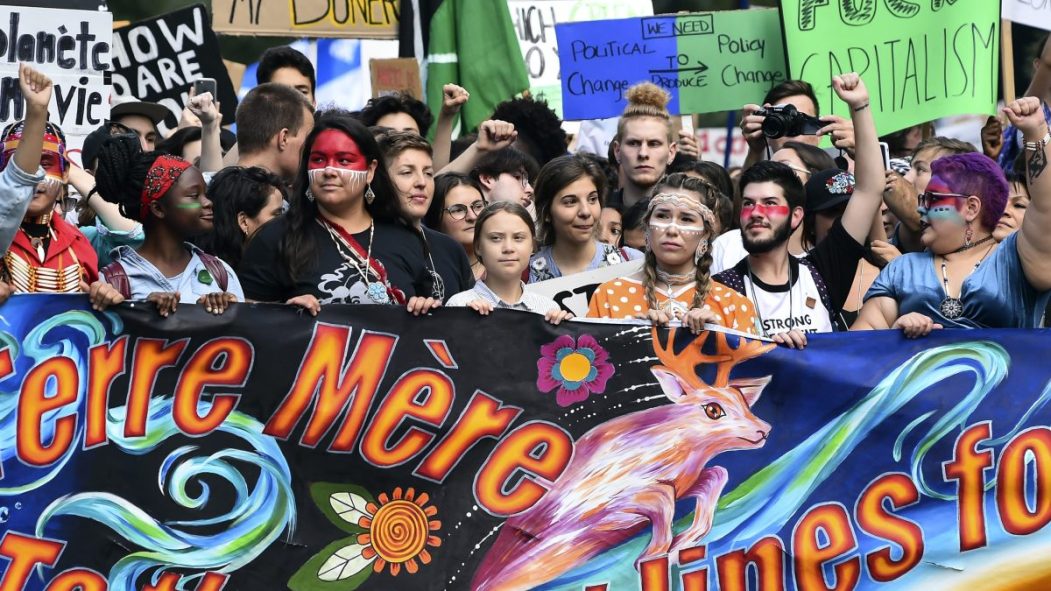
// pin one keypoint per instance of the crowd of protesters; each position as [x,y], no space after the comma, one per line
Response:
[309,207]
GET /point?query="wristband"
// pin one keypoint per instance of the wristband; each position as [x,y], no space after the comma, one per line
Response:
[1038,146]
[861,108]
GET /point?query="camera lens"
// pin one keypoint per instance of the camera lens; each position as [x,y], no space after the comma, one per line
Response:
[774,126]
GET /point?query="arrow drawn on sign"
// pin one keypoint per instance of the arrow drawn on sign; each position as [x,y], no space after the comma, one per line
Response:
[700,67]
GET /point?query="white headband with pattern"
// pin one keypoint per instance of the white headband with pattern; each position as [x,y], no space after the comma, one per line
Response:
[684,202]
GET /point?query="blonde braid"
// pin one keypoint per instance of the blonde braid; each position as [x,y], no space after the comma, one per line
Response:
[702,279]
[649,279]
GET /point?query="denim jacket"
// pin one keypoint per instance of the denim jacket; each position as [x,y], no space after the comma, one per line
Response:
[16,191]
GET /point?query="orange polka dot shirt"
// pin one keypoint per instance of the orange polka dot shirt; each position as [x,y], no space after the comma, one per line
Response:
[625,297]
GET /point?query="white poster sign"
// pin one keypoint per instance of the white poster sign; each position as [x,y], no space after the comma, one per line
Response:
[1034,13]
[73,48]
[574,292]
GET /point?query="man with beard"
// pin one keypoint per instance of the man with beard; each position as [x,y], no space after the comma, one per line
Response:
[796,296]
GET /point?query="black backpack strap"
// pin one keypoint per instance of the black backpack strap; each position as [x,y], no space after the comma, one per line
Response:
[216,268]
[117,277]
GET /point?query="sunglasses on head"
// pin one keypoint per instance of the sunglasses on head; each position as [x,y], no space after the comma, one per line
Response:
[926,198]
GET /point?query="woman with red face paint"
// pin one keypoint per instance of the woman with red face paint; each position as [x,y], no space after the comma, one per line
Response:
[166,194]
[966,279]
[342,240]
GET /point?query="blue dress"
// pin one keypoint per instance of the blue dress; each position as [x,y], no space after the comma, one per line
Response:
[995,295]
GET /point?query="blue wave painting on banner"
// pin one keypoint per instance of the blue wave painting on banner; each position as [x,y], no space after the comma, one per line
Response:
[367,449]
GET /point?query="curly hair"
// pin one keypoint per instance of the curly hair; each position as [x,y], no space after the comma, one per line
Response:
[646,100]
[121,172]
[539,127]
[401,102]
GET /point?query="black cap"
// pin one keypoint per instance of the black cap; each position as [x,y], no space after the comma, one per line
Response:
[827,189]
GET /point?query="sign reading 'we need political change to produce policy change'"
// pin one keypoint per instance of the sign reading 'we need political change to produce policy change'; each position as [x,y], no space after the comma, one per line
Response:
[708,61]
[920,59]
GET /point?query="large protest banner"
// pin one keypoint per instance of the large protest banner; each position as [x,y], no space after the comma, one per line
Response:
[356,19]
[709,62]
[1034,13]
[920,60]
[535,22]
[371,450]
[73,48]
[158,59]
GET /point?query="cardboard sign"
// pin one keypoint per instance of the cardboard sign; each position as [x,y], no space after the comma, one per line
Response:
[574,292]
[1034,13]
[157,60]
[535,22]
[919,60]
[390,76]
[708,62]
[73,48]
[355,19]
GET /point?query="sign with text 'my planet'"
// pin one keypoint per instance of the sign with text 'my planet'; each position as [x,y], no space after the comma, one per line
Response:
[73,48]
[919,60]
[709,62]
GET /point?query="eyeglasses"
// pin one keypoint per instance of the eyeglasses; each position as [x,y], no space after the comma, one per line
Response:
[521,177]
[925,199]
[459,211]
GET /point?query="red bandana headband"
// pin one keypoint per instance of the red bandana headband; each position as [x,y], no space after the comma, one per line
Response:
[163,173]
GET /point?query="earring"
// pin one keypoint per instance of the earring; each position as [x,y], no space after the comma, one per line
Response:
[309,195]
[370,196]
[702,249]
[968,236]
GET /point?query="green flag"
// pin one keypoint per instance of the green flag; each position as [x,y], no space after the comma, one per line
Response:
[471,43]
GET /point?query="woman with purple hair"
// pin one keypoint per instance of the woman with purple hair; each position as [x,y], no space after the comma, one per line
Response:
[965,279]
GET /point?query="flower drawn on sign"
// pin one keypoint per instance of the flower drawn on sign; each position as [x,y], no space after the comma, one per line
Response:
[391,533]
[576,368]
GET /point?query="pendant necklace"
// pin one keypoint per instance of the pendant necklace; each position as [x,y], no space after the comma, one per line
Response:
[375,290]
[952,308]
[755,299]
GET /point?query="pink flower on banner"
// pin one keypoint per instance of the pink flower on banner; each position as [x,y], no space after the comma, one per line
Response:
[578,369]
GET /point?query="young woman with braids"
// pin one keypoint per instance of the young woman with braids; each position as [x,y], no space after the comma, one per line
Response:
[342,240]
[675,281]
[166,194]
[243,199]
[570,191]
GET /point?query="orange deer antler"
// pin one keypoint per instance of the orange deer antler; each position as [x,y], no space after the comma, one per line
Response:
[685,362]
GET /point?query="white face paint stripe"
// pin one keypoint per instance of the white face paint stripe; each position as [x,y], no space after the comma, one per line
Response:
[681,228]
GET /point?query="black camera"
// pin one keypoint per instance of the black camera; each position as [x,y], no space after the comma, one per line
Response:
[786,120]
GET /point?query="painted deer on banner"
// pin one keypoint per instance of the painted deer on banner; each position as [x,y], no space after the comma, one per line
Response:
[627,473]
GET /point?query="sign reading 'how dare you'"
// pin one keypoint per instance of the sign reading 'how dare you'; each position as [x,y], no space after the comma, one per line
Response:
[707,61]
[920,60]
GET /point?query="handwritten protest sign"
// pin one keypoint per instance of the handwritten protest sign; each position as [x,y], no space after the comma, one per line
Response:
[70,46]
[157,60]
[708,61]
[535,22]
[573,292]
[393,75]
[356,19]
[1035,13]
[920,61]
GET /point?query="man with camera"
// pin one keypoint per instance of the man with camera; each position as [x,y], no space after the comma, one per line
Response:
[790,112]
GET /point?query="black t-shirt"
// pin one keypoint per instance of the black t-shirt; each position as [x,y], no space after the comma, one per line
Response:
[836,259]
[450,262]
[329,277]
